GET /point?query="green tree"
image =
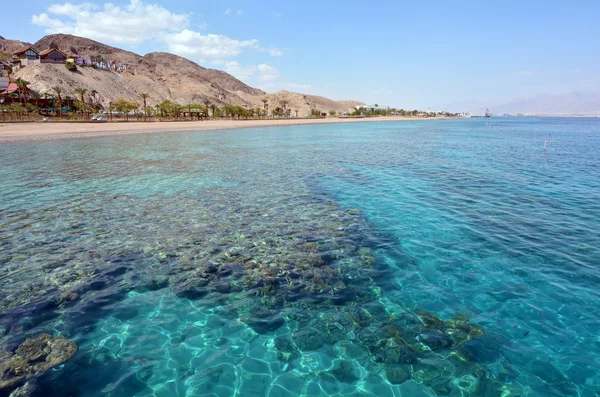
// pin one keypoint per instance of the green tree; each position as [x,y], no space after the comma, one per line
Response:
[206,103]
[36,96]
[58,90]
[332,112]
[144,97]
[23,87]
[123,105]
[81,92]
[71,67]
[265,105]
[284,104]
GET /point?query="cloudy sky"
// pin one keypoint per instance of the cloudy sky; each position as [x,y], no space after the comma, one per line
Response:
[388,52]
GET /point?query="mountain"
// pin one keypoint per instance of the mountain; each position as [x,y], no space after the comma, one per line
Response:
[573,104]
[7,47]
[576,103]
[162,75]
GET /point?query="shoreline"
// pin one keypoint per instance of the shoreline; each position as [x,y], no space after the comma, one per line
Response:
[40,131]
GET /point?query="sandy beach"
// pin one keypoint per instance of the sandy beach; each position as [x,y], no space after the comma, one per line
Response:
[11,132]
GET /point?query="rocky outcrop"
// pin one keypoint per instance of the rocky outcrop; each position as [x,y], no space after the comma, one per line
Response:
[33,357]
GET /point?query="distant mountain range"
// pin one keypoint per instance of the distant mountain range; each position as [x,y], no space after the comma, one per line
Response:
[573,104]
[163,76]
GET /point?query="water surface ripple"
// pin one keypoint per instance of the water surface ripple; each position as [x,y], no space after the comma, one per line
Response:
[454,258]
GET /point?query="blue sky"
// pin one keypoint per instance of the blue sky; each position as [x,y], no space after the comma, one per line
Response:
[403,54]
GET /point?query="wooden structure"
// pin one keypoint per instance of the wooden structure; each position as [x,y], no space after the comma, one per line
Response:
[29,53]
[53,55]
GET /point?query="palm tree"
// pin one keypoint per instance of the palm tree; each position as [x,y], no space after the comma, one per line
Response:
[143,97]
[206,103]
[81,92]
[58,91]
[213,107]
[36,96]
[265,105]
[284,104]
[22,84]
[93,94]
[296,111]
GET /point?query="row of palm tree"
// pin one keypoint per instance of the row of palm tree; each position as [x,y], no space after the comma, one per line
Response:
[163,109]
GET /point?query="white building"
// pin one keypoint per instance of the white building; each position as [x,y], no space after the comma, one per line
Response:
[372,107]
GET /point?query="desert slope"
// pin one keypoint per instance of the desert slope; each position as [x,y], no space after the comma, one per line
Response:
[162,75]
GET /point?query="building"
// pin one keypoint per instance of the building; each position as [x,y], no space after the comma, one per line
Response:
[372,107]
[4,83]
[24,56]
[4,69]
[26,53]
[53,55]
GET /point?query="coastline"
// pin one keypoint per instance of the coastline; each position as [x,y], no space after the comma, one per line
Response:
[38,131]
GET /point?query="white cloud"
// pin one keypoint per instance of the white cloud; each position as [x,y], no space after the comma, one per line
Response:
[276,14]
[193,44]
[229,11]
[131,24]
[218,62]
[267,73]
[138,21]
[262,72]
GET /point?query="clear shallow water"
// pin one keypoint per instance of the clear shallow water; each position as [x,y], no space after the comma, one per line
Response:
[236,262]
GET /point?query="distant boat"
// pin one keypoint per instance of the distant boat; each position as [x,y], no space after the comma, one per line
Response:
[487,113]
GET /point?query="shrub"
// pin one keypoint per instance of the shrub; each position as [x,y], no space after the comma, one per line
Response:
[71,67]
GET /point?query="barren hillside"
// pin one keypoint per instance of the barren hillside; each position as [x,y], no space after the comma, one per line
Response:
[161,75]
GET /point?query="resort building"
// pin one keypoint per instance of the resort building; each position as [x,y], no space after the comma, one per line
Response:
[53,55]
[372,107]
[3,83]
[4,68]
[24,56]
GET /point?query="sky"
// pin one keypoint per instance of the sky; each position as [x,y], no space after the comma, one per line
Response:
[439,55]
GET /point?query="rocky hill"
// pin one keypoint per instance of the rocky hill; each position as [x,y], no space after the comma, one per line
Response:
[8,46]
[161,75]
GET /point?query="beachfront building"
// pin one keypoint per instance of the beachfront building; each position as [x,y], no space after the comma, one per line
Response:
[7,90]
[372,108]
[53,55]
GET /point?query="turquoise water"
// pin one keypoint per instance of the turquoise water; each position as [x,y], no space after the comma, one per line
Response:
[426,258]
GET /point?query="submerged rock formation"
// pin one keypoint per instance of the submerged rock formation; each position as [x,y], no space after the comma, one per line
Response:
[33,357]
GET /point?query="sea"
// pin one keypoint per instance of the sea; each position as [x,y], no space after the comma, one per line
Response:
[415,258]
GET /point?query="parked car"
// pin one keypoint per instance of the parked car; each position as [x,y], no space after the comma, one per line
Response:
[99,119]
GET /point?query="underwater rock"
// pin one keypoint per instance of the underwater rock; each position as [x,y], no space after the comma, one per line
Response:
[477,350]
[426,370]
[435,340]
[192,290]
[284,344]
[353,211]
[430,321]
[444,387]
[308,339]
[33,357]
[397,374]
[24,391]
[346,371]
[264,325]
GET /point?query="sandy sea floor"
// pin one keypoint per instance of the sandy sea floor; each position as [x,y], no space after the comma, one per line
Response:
[10,132]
